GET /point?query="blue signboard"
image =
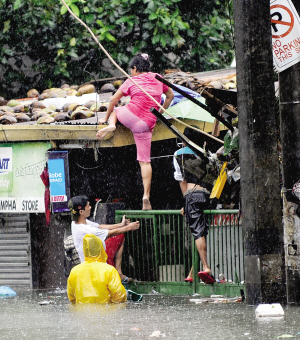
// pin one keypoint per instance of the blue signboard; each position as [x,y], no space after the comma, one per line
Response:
[57,177]
[58,167]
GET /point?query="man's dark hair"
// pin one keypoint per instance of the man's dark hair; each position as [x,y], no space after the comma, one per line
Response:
[76,204]
[141,62]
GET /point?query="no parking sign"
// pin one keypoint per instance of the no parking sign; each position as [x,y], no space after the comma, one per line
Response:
[285,23]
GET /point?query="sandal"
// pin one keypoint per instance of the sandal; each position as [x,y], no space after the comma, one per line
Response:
[206,278]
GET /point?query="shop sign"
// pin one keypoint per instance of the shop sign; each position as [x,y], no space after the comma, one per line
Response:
[21,188]
[58,167]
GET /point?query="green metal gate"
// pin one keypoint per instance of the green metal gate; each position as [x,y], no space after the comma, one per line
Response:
[161,253]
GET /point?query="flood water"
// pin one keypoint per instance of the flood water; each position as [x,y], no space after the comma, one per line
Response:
[157,316]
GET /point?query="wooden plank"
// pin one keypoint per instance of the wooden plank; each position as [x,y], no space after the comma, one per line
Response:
[86,134]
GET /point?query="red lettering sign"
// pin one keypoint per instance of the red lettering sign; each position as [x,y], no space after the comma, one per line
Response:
[58,198]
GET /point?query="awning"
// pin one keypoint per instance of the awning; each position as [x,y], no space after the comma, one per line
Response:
[182,107]
[189,110]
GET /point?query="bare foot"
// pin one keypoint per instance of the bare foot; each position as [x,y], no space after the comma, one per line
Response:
[207,271]
[146,204]
[103,132]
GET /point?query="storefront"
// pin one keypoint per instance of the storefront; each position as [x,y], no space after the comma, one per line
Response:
[21,196]
[21,188]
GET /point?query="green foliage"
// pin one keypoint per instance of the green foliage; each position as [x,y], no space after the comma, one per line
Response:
[42,45]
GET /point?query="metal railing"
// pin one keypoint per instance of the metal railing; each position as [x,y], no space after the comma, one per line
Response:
[163,249]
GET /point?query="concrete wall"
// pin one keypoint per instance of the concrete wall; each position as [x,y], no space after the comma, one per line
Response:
[47,253]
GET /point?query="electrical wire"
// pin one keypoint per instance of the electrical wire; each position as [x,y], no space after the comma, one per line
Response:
[95,167]
[162,156]
[128,76]
[84,70]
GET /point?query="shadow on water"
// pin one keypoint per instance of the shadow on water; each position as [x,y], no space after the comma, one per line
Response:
[157,316]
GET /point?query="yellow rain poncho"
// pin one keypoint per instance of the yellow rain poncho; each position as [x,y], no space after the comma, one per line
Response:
[95,281]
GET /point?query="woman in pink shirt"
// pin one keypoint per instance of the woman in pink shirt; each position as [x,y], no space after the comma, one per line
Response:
[137,116]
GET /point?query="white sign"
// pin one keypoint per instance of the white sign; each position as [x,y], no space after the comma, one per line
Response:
[6,160]
[6,175]
[21,187]
[285,23]
[25,204]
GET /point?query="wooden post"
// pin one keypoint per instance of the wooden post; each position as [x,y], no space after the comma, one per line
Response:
[261,209]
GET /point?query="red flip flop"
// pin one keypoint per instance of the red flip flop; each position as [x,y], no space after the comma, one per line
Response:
[188,279]
[206,278]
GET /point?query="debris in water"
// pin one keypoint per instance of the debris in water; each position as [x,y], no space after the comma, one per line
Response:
[217,296]
[216,299]
[154,291]
[54,296]
[157,334]
[6,292]
[45,302]
[221,279]
[133,296]
[269,310]
[196,294]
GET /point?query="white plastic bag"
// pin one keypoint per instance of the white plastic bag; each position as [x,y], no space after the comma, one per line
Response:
[269,310]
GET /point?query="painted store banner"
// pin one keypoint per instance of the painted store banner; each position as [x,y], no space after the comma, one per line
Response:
[21,188]
[285,23]
[58,167]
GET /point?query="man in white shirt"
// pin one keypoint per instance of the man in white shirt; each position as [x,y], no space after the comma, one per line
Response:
[191,173]
[111,235]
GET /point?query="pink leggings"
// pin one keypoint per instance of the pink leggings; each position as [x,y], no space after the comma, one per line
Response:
[141,132]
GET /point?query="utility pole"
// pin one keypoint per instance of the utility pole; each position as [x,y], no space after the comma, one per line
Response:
[261,208]
[289,94]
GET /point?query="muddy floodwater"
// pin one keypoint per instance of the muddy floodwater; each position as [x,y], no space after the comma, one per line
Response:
[157,316]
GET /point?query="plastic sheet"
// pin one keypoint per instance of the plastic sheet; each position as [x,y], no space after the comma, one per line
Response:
[6,292]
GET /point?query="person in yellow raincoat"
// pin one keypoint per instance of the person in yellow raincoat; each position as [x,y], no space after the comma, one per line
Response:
[95,281]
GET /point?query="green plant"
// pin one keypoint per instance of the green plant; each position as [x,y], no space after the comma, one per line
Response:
[42,45]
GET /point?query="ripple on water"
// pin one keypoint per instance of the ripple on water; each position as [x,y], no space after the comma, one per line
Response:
[158,316]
